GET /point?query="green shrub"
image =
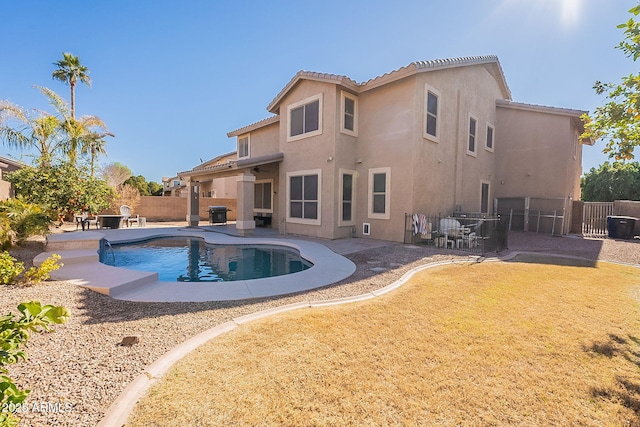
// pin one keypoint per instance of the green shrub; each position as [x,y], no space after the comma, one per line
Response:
[10,268]
[24,219]
[7,235]
[14,334]
[40,274]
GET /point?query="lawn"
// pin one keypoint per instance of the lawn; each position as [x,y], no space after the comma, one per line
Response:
[502,343]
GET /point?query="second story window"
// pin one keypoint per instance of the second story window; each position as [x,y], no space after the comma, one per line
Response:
[349,124]
[431,128]
[471,145]
[490,132]
[243,146]
[305,118]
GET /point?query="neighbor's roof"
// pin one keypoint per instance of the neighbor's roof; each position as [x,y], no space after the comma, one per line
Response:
[491,61]
[8,162]
[216,160]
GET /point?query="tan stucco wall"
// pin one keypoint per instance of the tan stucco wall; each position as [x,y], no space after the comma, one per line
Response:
[264,141]
[387,127]
[223,187]
[536,157]
[156,208]
[309,154]
[445,175]
[5,190]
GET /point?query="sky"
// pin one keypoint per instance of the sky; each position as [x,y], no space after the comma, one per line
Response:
[171,78]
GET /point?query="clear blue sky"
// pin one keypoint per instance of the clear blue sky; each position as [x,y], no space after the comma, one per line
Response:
[171,78]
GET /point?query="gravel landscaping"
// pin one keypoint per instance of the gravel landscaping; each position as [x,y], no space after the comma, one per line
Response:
[76,372]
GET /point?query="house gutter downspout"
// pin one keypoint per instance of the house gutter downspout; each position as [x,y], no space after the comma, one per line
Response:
[457,149]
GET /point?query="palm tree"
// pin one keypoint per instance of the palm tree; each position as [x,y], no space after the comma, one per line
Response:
[84,134]
[36,129]
[70,71]
[95,145]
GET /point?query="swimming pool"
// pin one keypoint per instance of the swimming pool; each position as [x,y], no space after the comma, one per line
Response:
[187,259]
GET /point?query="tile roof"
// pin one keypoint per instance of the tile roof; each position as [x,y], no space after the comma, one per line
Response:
[252,126]
[347,82]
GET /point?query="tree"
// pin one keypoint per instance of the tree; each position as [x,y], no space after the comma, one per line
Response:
[50,134]
[615,181]
[619,119]
[62,188]
[80,134]
[155,189]
[116,174]
[95,146]
[69,71]
[30,129]
[140,183]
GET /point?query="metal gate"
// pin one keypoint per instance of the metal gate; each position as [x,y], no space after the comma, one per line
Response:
[594,218]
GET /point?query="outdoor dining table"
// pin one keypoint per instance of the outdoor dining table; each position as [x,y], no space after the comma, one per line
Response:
[109,221]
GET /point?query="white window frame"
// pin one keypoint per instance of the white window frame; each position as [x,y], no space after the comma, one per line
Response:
[317,221]
[343,112]
[493,139]
[305,101]
[248,136]
[488,183]
[436,137]
[473,153]
[263,181]
[387,199]
[342,173]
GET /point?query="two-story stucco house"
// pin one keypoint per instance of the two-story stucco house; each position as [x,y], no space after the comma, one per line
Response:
[340,158]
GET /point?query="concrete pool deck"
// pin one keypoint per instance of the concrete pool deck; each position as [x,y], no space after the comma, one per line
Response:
[79,252]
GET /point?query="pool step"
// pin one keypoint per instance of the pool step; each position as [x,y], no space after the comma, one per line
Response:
[76,256]
[104,279]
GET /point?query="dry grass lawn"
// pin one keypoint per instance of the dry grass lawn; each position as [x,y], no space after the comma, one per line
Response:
[518,343]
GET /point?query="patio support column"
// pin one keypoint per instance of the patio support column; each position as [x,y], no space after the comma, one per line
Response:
[193,204]
[245,223]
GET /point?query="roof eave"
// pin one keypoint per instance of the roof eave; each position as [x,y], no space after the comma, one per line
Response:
[274,105]
[257,125]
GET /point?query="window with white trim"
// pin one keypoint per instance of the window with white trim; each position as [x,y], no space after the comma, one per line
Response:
[347,199]
[349,119]
[305,118]
[303,194]
[263,196]
[490,135]
[484,197]
[379,197]
[471,141]
[243,146]
[432,113]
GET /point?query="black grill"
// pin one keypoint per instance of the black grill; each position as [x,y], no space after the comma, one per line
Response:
[218,214]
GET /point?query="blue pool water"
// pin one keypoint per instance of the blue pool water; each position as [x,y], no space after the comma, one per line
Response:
[180,259]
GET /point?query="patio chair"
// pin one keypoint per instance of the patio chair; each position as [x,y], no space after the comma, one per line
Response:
[83,219]
[125,211]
